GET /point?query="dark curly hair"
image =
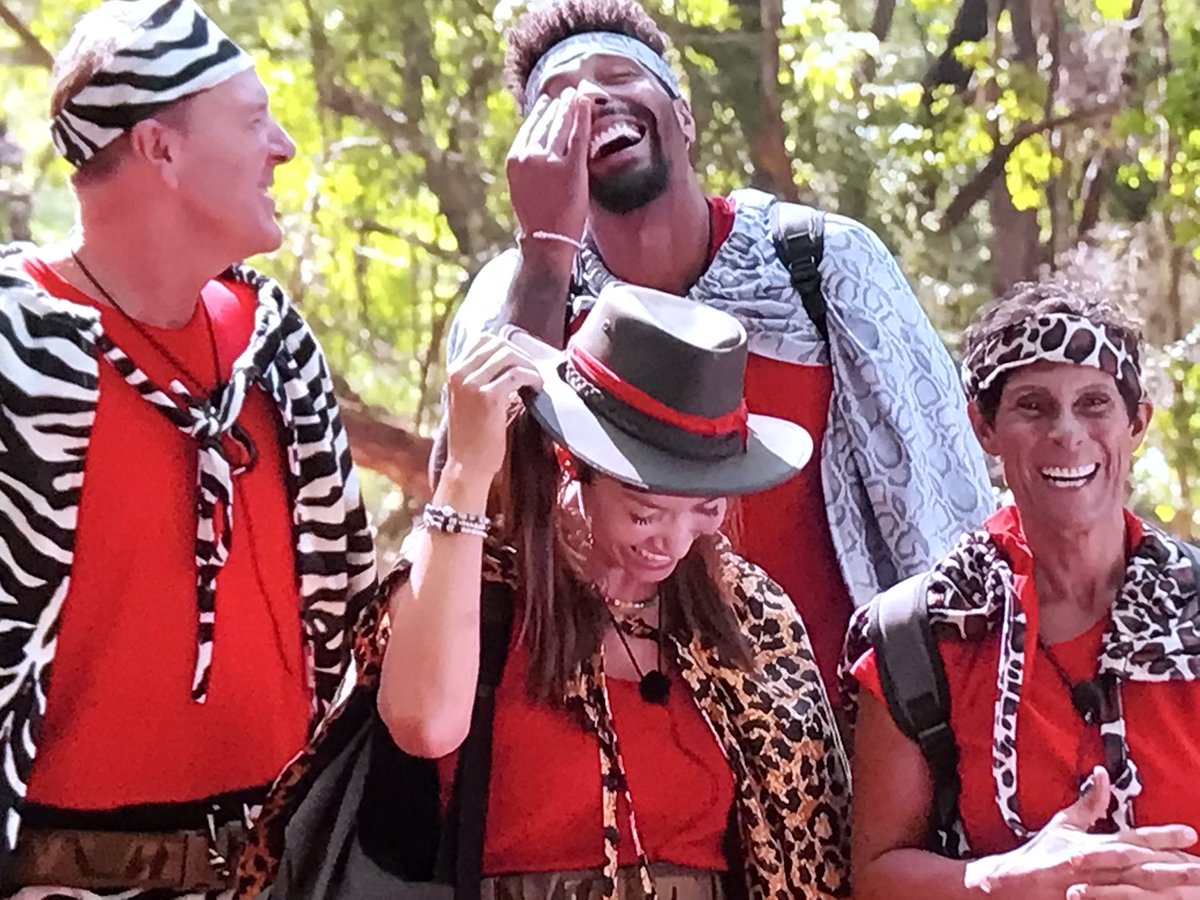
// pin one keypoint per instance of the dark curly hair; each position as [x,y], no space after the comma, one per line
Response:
[543,27]
[1030,299]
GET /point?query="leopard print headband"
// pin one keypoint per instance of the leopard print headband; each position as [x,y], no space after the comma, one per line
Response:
[1056,337]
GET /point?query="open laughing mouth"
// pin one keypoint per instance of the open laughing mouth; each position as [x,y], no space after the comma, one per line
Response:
[615,137]
[1077,476]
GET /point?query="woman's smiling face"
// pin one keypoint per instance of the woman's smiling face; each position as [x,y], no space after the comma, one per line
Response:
[645,534]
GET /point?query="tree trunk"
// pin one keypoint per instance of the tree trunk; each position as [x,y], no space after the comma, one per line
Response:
[380,443]
[36,50]
[1015,234]
[749,73]
[768,147]
[881,27]
[1016,247]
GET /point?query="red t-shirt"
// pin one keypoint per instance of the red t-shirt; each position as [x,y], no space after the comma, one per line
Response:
[120,726]
[1054,747]
[544,811]
[785,530]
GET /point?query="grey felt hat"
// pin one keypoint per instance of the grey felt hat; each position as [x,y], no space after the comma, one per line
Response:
[650,391]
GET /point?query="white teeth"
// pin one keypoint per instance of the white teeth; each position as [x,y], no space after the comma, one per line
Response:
[1071,474]
[611,133]
[656,558]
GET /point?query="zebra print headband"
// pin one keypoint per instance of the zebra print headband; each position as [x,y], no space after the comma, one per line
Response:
[1056,337]
[586,43]
[175,51]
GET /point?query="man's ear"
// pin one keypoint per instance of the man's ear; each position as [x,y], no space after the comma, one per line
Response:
[157,144]
[687,122]
[1141,422]
[985,431]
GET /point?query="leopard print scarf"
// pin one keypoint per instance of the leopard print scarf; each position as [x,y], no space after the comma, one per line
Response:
[791,848]
[1153,635]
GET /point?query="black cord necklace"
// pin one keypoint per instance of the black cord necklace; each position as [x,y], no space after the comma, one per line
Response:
[1086,696]
[197,384]
[654,685]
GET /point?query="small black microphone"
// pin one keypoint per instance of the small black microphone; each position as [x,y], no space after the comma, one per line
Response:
[655,687]
[1088,699]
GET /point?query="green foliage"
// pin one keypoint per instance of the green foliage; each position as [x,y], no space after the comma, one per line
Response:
[1168,482]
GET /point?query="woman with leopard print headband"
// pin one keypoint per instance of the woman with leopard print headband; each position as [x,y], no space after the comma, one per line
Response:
[1069,631]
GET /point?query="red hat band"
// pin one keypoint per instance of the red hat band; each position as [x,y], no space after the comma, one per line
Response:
[646,417]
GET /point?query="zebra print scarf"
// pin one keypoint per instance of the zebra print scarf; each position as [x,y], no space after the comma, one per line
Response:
[206,420]
[50,354]
[167,51]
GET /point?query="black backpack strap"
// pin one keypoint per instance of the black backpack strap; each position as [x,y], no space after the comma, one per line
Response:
[467,812]
[914,684]
[798,233]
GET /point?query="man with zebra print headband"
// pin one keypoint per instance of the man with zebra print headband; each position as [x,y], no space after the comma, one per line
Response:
[181,533]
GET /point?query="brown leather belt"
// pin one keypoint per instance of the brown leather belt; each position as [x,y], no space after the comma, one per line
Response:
[678,882]
[173,860]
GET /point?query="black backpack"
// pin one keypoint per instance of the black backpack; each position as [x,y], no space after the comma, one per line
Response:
[370,825]
[798,233]
[914,685]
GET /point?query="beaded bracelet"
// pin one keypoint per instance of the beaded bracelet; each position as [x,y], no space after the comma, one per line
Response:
[451,521]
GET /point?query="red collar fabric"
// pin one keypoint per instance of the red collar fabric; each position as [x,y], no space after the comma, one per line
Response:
[1006,530]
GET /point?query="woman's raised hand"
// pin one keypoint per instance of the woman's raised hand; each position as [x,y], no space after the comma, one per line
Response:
[480,392]
[1064,860]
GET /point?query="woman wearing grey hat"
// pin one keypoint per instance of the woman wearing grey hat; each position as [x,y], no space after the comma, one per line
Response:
[659,724]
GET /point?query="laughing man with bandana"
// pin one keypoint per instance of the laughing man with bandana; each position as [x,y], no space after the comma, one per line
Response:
[181,533]
[603,189]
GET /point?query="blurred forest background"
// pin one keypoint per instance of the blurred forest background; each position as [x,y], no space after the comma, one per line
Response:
[985,140]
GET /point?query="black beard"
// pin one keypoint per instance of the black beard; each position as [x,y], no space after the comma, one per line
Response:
[633,187]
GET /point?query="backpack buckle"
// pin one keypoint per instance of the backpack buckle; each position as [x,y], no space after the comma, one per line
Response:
[935,737]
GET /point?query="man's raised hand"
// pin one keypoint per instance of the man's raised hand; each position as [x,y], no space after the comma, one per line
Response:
[547,173]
